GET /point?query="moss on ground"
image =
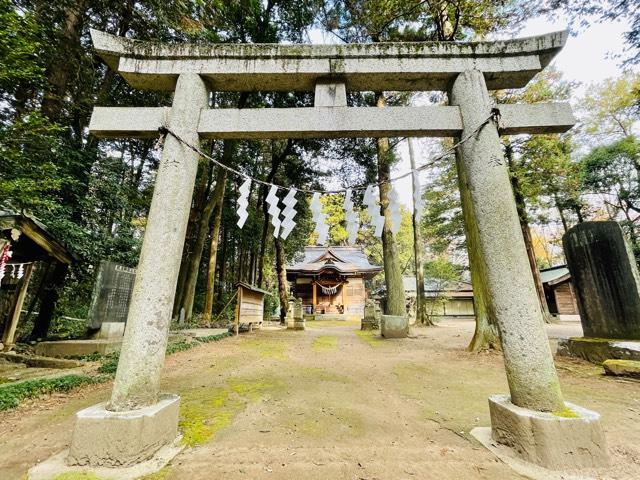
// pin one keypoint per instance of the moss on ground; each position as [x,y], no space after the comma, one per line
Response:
[325,343]
[593,339]
[159,475]
[333,323]
[624,363]
[370,337]
[268,348]
[206,411]
[78,476]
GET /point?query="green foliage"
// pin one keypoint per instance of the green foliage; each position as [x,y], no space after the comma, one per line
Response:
[441,271]
[30,179]
[442,222]
[613,171]
[11,395]
[63,328]
[20,46]
[213,338]
[179,346]
[611,107]
[415,20]
[332,207]
[109,363]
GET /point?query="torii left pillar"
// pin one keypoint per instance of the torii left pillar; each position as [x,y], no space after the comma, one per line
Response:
[138,421]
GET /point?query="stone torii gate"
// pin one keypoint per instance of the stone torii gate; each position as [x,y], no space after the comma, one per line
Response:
[523,420]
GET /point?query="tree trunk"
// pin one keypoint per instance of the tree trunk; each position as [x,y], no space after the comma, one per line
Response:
[195,216]
[203,228]
[445,29]
[213,257]
[561,213]
[276,160]
[521,208]
[263,244]
[267,148]
[59,72]
[222,269]
[281,269]
[421,310]
[395,304]
[51,293]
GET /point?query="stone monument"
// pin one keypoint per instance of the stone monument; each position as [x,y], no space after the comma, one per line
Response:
[371,319]
[110,299]
[298,317]
[289,318]
[607,284]
[394,326]
[605,275]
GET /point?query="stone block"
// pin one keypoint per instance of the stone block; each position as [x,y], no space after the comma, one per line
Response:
[622,368]
[41,362]
[597,350]
[295,321]
[394,326]
[606,279]
[371,320]
[369,324]
[565,440]
[109,330]
[77,348]
[103,438]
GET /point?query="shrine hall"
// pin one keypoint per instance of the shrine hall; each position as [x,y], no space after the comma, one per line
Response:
[331,281]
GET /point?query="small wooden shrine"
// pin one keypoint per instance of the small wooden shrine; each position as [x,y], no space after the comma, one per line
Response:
[249,306]
[23,242]
[559,290]
[330,280]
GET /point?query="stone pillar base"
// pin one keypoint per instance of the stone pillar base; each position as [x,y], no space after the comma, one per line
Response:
[296,325]
[369,324]
[566,440]
[394,326]
[103,438]
[109,330]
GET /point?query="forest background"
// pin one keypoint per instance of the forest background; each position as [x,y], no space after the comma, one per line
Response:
[94,194]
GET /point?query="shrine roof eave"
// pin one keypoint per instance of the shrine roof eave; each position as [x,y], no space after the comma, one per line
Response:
[312,272]
[39,234]
[404,66]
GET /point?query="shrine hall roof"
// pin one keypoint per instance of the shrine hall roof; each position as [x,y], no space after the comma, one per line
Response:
[345,260]
[35,241]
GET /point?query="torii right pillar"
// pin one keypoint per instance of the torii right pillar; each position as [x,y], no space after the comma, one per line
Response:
[534,420]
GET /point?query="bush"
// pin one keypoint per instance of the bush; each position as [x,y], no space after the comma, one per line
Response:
[11,395]
[109,363]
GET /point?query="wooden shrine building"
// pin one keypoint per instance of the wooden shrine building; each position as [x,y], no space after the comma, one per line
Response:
[330,281]
[559,290]
[23,242]
[249,306]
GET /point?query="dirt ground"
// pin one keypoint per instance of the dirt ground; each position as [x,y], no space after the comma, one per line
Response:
[334,403]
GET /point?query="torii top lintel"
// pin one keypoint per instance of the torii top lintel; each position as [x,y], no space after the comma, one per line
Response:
[381,66]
